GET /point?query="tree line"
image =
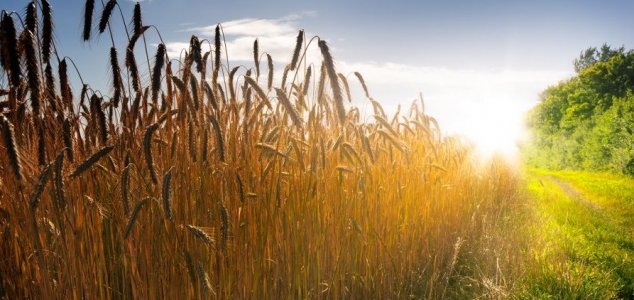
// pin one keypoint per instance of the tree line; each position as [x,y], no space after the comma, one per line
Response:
[586,122]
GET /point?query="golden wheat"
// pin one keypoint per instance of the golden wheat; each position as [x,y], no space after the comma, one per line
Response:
[251,204]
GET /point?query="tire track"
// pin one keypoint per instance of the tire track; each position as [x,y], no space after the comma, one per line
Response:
[573,193]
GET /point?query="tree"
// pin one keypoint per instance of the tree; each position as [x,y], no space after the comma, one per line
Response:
[591,56]
[586,59]
[587,121]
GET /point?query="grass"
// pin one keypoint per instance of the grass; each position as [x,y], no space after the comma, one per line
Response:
[584,241]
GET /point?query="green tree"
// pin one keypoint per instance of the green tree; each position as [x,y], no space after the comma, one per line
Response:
[586,122]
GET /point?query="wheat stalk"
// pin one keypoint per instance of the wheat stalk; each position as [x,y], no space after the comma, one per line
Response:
[345,86]
[116,75]
[232,90]
[224,229]
[167,179]
[130,60]
[363,85]
[10,145]
[332,77]
[137,21]
[86,164]
[45,175]
[58,184]
[68,139]
[30,19]
[258,90]
[269,60]
[306,83]
[134,216]
[298,48]
[200,234]
[10,57]
[281,96]
[192,142]
[105,15]
[204,280]
[64,85]
[220,145]
[147,150]
[95,105]
[159,61]
[256,58]
[285,75]
[32,68]
[88,11]
[47,30]
[217,46]
[125,186]
[193,83]
[50,88]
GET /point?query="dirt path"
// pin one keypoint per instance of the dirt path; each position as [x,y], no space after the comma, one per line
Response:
[573,193]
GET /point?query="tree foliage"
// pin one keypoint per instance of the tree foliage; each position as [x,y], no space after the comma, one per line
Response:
[587,121]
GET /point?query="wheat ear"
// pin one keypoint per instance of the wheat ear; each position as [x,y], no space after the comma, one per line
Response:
[147,150]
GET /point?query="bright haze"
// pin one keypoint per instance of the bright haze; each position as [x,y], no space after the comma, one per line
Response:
[480,65]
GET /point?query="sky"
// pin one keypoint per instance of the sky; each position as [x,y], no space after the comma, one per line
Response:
[480,65]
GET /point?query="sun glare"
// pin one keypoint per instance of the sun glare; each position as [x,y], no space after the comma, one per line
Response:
[495,133]
[490,114]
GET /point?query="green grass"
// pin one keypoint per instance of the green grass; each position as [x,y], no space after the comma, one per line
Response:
[583,241]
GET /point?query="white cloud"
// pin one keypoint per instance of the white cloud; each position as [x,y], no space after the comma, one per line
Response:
[276,37]
[248,27]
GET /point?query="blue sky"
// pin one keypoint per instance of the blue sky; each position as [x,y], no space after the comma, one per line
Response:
[479,64]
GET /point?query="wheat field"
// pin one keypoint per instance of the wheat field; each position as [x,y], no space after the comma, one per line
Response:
[208,180]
